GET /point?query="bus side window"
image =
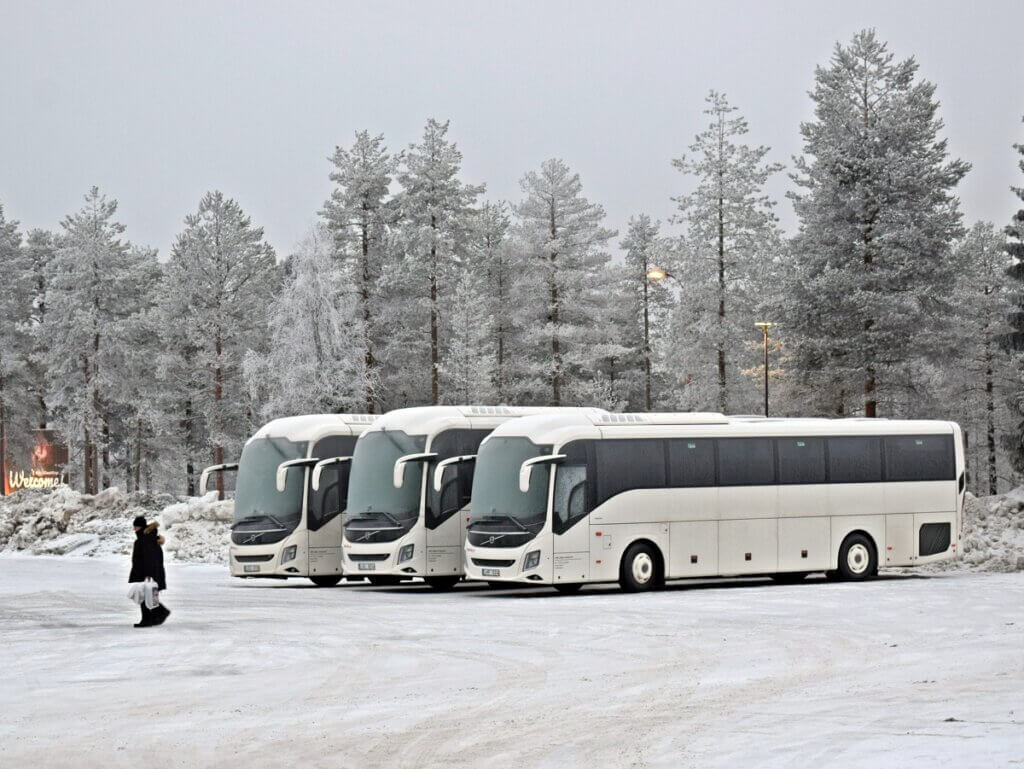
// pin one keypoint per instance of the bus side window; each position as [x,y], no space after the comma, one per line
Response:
[570,495]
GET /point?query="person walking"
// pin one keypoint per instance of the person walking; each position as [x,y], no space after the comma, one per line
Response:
[148,561]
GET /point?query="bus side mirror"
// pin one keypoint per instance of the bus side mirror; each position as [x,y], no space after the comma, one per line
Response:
[282,470]
[318,468]
[444,463]
[398,474]
[526,469]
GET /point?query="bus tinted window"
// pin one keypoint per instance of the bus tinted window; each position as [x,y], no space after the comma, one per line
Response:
[457,483]
[854,460]
[329,500]
[919,458]
[801,460]
[572,491]
[628,464]
[691,462]
[745,461]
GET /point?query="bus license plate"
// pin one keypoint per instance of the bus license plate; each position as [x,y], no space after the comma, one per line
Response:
[491,572]
[249,568]
[366,566]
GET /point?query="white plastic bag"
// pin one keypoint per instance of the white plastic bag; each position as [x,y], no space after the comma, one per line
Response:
[137,592]
[152,593]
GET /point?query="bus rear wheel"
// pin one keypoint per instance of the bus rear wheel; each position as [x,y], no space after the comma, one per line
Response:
[857,558]
[442,583]
[326,580]
[639,570]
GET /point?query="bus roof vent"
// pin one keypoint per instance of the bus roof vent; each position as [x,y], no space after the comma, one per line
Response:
[655,418]
[620,419]
[361,419]
[488,411]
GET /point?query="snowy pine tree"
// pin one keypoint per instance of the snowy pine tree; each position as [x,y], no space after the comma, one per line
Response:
[973,381]
[730,229]
[436,208]
[495,258]
[877,215]
[556,298]
[317,354]
[15,314]
[358,214]
[1014,440]
[96,290]
[219,284]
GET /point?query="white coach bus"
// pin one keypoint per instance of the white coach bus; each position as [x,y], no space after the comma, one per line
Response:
[586,496]
[282,526]
[412,474]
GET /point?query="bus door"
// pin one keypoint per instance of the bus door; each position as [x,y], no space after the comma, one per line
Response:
[446,508]
[325,505]
[570,507]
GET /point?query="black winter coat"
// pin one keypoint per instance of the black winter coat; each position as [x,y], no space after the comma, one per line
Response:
[148,557]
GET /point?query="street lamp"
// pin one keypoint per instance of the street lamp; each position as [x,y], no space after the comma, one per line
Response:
[654,275]
[764,326]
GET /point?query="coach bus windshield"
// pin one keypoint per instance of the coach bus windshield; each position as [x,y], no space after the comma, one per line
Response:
[258,504]
[497,503]
[374,504]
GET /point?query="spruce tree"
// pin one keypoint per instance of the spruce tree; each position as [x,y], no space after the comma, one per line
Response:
[218,286]
[730,228]
[358,214]
[558,295]
[877,215]
[1014,440]
[436,209]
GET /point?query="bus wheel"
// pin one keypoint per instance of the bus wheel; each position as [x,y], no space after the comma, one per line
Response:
[639,568]
[568,587]
[327,580]
[857,558]
[442,583]
[790,576]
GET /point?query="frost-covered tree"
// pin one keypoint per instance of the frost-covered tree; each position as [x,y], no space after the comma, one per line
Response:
[730,229]
[316,358]
[437,212]
[466,372]
[974,381]
[1014,440]
[15,313]
[96,290]
[358,214]
[647,299]
[496,259]
[877,215]
[38,252]
[218,286]
[558,296]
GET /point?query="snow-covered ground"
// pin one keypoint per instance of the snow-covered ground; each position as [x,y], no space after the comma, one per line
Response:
[922,670]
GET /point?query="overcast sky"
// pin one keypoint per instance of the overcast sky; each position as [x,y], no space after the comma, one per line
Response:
[157,103]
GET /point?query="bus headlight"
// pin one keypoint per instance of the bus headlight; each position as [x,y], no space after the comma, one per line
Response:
[405,554]
[532,560]
[288,554]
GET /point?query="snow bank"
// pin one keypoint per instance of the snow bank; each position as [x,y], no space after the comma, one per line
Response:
[994,532]
[64,522]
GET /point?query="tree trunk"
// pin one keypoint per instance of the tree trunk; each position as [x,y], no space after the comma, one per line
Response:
[138,453]
[218,394]
[3,438]
[723,397]
[990,417]
[364,301]
[435,358]
[556,347]
[106,452]
[647,340]
[190,470]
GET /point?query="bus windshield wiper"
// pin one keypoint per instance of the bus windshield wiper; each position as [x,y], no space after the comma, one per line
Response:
[260,516]
[506,516]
